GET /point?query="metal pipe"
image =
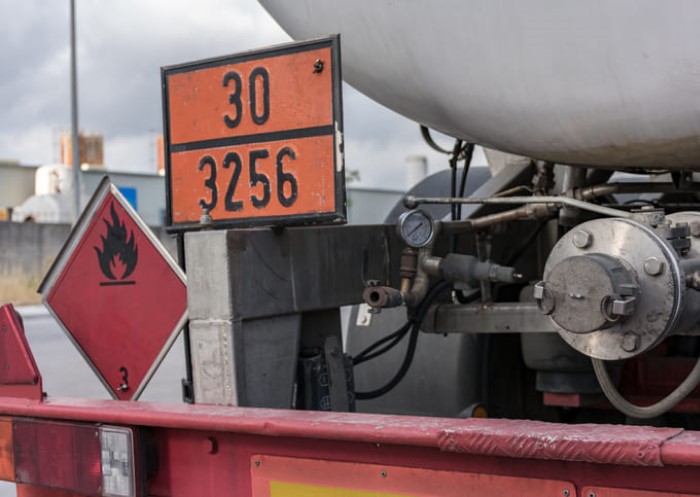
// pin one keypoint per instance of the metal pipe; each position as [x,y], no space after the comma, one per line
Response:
[531,211]
[74,116]
[574,177]
[421,280]
[478,223]
[412,202]
[603,189]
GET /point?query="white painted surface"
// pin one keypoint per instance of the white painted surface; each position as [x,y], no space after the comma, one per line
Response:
[604,82]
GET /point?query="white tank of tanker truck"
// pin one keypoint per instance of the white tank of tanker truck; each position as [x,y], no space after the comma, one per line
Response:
[570,285]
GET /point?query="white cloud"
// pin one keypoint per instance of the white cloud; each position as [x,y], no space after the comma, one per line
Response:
[121,47]
[32,145]
[133,153]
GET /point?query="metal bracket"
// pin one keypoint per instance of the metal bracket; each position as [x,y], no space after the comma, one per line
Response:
[335,365]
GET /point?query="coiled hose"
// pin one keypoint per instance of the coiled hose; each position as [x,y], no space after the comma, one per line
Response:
[646,412]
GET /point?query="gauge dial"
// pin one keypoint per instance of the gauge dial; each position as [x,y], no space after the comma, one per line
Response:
[416,228]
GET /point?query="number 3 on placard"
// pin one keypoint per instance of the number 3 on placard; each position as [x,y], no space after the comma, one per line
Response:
[232,160]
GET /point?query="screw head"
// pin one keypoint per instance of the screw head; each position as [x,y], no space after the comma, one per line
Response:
[383,473]
[630,342]
[566,492]
[653,266]
[582,239]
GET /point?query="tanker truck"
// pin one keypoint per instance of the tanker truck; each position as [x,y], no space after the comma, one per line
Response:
[562,267]
[531,329]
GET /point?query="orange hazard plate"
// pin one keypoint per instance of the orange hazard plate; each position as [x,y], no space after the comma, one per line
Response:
[273,476]
[255,138]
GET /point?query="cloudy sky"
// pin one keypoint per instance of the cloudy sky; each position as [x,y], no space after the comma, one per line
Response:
[121,47]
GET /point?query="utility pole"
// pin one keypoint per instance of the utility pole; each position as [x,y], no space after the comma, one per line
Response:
[74,116]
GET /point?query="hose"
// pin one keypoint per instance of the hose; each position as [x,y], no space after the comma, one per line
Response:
[371,352]
[646,412]
[414,323]
[425,132]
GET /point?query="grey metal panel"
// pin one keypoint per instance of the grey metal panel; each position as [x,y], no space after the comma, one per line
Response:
[443,379]
[245,363]
[249,290]
[267,349]
[302,269]
[510,317]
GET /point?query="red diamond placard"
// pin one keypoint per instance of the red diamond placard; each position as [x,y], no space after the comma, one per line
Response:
[117,293]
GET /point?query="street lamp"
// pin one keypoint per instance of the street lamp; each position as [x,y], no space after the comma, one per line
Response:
[74,116]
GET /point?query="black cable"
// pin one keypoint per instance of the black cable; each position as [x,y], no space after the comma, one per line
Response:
[468,153]
[383,350]
[425,131]
[432,294]
[396,336]
[457,150]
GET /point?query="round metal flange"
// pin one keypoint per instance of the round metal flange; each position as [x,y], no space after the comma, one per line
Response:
[584,287]
[658,301]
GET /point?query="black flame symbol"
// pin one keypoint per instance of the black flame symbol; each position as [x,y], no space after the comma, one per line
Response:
[115,246]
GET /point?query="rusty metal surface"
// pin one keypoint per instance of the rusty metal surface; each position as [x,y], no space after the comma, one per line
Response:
[635,445]
[603,444]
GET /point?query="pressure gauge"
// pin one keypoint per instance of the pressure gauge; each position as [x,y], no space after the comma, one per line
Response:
[416,228]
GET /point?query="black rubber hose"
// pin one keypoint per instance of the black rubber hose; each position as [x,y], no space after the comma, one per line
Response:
[454,159]
[432,294]
[468,153]
[394,338]
[425,132]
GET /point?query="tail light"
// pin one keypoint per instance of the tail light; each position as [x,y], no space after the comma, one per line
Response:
[117,448]
[84,458]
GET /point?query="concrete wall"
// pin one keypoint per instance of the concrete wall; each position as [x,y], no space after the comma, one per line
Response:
[28,249]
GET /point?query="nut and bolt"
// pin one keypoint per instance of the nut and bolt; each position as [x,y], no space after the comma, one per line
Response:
[318,66]
[257,462]
[653,266]
[630,342]
[582,239]
[205,218]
